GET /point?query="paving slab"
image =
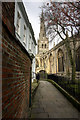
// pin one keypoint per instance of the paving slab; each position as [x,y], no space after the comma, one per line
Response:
[49,102]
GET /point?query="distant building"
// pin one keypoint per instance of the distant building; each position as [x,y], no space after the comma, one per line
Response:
[55,60]
[43,46]
[43,43]
[24,32]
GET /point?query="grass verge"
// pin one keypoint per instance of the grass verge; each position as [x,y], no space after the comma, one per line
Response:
[34,88]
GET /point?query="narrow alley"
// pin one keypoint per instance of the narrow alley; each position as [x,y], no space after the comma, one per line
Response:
[50,103]
[39,41]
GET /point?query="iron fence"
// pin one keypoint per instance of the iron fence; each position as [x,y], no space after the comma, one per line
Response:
[67,84]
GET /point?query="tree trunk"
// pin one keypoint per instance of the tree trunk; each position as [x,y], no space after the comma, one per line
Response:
[74,62]
[73,73]
[71,58]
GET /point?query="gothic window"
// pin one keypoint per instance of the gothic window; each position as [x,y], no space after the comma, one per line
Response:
[37,63]
[60,61]
[45,45]
[41,62]
[78,59]
[18,23]
[51,62]
[42,45]
[43,34]
[44,65]
[41,27]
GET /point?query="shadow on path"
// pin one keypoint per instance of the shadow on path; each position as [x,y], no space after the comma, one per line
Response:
[50,103]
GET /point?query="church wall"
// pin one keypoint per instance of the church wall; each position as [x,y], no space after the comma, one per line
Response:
[52,62]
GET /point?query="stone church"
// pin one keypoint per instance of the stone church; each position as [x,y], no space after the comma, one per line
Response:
[55,60]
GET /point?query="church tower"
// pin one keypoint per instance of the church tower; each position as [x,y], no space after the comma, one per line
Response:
[43,43]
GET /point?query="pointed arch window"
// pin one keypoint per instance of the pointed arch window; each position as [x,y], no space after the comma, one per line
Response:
[60,61]
[78,59]
[45,45]
[41,27]
[37,63]
[40,62]
[43,34]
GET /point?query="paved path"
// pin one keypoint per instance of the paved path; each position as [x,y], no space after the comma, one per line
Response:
[50,103]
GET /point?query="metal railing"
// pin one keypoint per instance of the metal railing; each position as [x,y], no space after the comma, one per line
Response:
[67,84]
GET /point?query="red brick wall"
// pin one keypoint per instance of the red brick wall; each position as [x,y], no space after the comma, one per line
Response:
[16,67]
[8,9]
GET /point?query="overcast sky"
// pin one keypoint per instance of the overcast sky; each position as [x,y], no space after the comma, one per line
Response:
[33,11]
